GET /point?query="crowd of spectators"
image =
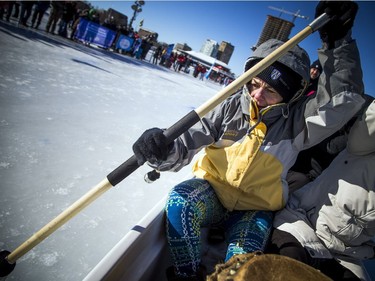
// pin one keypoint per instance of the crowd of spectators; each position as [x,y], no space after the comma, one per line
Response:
[63,17]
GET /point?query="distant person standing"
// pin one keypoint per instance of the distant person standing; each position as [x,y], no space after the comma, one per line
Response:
[39,11]
[156,55]
[197,70]
[202,72]
[67,16]
[80,14]
[26,8]
[54,16]
[163,56]
[187,64]
[11,5]
[3,6]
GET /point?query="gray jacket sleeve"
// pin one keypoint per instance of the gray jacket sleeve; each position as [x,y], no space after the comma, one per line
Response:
[202,134]
[339,96]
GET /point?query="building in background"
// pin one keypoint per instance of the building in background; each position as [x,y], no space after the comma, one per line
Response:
[210,48]
[225,52]
[146,33]
[276,27]
[183,47]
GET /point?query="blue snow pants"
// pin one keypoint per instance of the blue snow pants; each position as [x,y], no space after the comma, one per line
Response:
[192,205]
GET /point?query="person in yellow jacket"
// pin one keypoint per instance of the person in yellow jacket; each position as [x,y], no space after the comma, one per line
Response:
[250,142]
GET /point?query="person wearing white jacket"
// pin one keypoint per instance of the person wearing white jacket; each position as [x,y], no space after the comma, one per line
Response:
[330,222]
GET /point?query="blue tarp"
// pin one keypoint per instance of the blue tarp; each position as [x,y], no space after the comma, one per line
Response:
[94,33]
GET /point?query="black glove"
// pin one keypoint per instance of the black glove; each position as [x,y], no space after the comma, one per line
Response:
[151,146]
[342,15]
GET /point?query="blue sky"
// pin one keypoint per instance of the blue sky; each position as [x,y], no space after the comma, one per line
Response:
[240,23]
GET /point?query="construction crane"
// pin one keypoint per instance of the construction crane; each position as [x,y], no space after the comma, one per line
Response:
[295,15]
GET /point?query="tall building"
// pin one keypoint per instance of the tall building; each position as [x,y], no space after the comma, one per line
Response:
[225,52]
[210,48]
[275,28]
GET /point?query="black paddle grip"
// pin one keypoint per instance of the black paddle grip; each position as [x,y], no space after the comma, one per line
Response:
[172,133]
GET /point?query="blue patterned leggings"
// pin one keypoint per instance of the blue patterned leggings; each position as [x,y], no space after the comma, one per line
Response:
[193,204]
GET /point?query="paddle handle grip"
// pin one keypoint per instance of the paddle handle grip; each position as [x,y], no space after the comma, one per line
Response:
[172,133]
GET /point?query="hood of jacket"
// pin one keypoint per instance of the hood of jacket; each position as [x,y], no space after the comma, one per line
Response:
[296,59]
[361,139]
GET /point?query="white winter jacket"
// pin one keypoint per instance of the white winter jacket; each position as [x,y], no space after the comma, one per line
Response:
[334,216]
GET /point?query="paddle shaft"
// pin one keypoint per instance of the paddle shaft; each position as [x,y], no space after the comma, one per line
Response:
[129,166]
[58,221]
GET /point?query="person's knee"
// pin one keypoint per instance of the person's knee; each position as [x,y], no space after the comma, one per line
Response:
[286,244]
[180,197]
[190,190]
[294,251]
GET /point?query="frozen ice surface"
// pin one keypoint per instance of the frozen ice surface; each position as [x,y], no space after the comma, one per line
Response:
[69,115]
